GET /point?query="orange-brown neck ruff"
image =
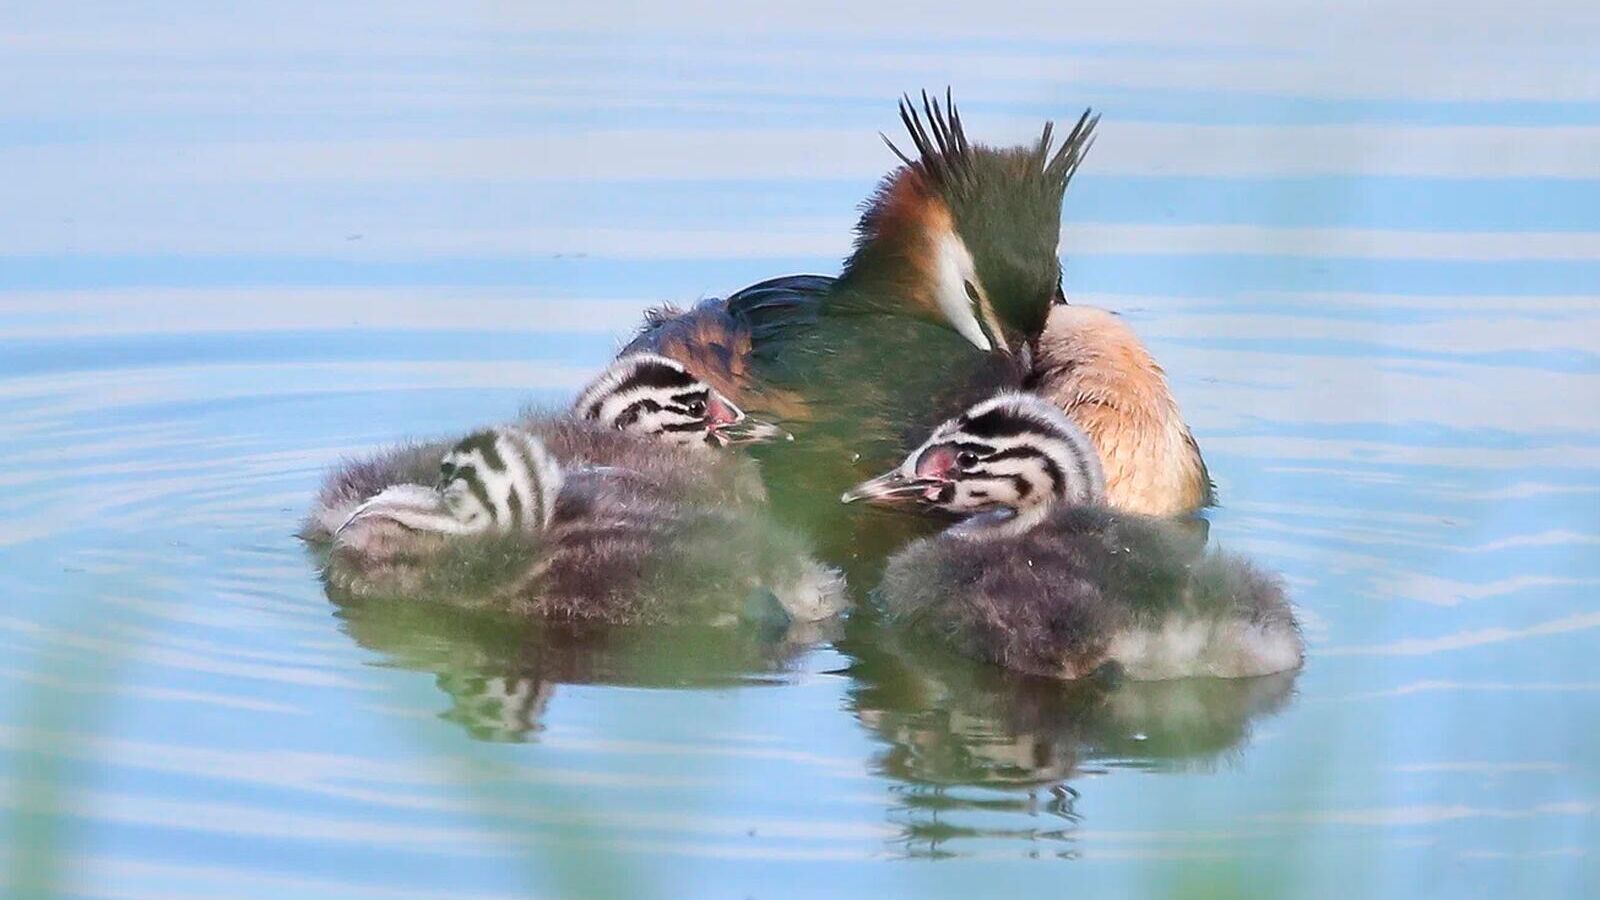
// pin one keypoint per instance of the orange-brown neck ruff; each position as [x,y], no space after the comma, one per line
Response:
[1094,368]
[895,264]
[716,348]
[910,260]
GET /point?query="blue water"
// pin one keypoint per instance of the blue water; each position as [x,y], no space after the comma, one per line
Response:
[239,245]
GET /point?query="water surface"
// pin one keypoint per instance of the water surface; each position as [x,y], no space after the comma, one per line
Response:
[236,249]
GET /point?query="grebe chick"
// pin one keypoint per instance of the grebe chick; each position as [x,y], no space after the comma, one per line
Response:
[641,404]
[1092,366]
[613,513]
[1038,580]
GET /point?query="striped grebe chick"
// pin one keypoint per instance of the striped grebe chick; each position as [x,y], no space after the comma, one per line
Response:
[641,404]
[615,512]
[1041,577]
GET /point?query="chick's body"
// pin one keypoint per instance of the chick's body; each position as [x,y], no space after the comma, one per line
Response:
[573,519]
[1088,586]
[1042,577]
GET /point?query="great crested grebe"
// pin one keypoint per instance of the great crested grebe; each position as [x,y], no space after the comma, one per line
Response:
[953,273]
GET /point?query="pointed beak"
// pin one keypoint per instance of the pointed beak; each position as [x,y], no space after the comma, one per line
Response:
[727,424]
[749,431]
[970,329]
[412,506]
[982,329]
[889,489]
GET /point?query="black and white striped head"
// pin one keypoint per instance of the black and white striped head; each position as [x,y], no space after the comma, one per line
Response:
[1012,452]
[656,397]
[502,479]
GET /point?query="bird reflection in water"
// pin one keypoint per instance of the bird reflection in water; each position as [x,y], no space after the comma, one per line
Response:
[974,754]
[972,747]
[501,671]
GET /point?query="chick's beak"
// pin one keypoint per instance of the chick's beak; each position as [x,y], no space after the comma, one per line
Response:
[890,489]
[727,425]
[749,431]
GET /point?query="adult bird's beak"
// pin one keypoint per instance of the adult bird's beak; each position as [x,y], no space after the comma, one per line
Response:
[970,328]
[889,489]
[750,431]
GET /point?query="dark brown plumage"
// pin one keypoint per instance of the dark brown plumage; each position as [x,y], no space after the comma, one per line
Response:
[1088,586]
[946,158]
[640,533]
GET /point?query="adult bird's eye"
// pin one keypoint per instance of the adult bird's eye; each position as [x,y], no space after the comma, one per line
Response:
[966,459]
[972,291]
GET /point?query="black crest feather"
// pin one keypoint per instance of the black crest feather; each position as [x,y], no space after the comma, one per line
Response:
[1061,167]
[943,154]
[945,157]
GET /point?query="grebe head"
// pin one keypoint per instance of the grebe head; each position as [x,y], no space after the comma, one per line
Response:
[500,479]
[970,233]
[1014,452]
[656,397]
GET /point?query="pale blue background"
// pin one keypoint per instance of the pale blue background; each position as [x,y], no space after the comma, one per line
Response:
[239,240]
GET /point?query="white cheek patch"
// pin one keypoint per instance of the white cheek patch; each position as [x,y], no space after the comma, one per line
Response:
[1079,462]
[953,268]
[654,416]
[614,405]
[981,493]
[671,427]
[1038,481]
[969,495]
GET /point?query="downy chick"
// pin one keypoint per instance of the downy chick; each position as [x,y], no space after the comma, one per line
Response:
[619,511]
[1042,578]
